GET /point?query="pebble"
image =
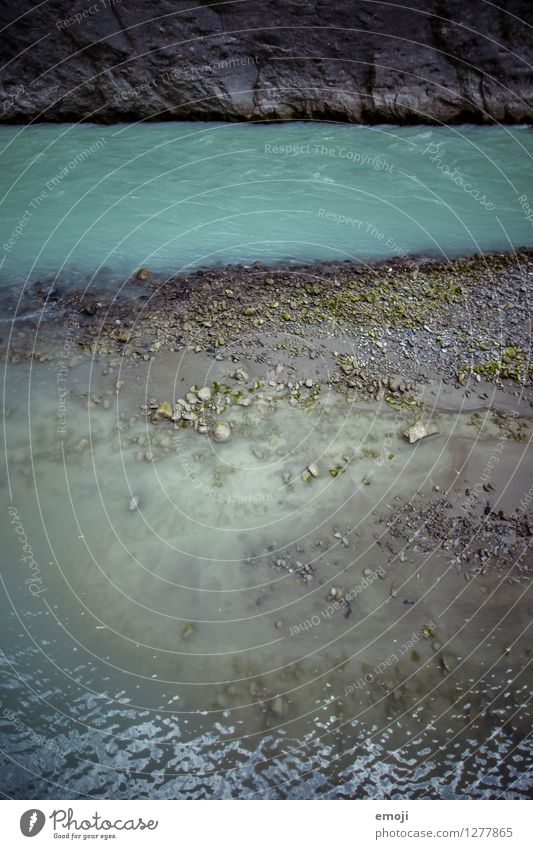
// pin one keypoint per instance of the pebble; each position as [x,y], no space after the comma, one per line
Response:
[367,572]
[221,432]
[204,394]
[134,503]
[313,470]
[419,431]
[447,662]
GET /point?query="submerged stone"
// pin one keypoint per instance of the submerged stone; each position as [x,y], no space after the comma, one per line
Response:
[419,431]
[204,394]
[221,432]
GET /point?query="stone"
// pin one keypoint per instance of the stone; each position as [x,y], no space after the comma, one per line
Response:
[367,572]
[419,431]
[221,432]
[204,394]
[82,446]
[241,375]
[313,470]
[164,411]
[134,503]
[188,630]
[191,398]
[308,382]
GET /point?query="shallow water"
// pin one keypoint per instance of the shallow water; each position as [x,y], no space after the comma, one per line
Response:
[179,648]
[84,201]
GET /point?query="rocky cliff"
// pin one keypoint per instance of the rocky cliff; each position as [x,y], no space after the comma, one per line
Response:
[346,60]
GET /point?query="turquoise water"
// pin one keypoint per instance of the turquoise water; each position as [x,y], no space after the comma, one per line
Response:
[89,200]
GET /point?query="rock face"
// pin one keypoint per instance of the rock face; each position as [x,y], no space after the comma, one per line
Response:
[344,60]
